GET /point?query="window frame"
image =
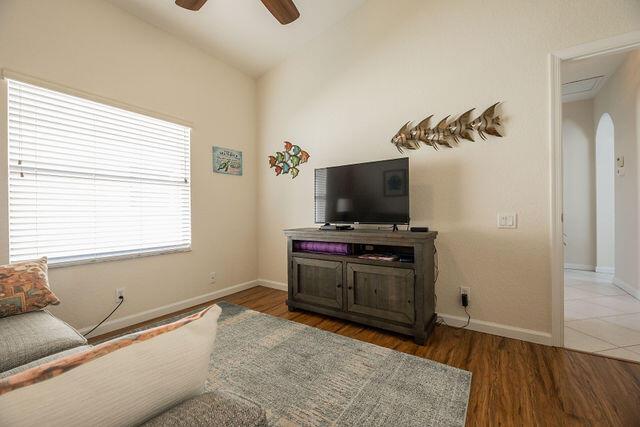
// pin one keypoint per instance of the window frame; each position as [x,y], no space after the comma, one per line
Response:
[5,254]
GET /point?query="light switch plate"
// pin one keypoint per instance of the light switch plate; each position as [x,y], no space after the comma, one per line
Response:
[507,220]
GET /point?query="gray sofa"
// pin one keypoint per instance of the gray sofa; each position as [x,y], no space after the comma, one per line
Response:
[30,339]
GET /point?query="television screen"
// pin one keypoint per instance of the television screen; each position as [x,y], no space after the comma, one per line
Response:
[365,193]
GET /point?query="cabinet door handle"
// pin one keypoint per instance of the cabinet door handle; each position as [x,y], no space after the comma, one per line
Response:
[350,287]
[339,286]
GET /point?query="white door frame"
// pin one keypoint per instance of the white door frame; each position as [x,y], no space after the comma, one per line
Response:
[614,44]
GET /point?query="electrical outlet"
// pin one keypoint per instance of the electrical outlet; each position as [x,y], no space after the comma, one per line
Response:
[212,277]
[465,291]
[119,293]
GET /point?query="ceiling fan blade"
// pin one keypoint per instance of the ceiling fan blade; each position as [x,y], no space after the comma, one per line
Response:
[191,4]
[283,10]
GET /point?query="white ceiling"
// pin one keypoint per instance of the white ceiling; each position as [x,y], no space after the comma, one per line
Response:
[582,79]
[242,32]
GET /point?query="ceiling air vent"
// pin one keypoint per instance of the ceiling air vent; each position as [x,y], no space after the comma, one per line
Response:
[583,86]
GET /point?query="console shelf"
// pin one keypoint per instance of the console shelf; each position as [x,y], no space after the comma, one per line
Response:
[393,295]
[353,259]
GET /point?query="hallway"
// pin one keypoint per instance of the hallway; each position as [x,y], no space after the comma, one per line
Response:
[600,317]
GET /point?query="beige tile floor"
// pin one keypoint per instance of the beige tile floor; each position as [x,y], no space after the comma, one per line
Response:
[599,317]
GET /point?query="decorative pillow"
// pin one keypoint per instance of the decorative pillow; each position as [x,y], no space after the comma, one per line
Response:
[24,287]
[124,381]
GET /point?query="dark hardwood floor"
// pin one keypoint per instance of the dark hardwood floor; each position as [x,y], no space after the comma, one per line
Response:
[515,383]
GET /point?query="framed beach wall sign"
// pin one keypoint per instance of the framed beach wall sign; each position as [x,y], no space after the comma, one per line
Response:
[227,161]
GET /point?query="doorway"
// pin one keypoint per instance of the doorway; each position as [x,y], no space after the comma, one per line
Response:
[598,126]
[605,169]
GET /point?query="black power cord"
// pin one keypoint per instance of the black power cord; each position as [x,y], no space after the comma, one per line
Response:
[465,301]
[106,318]
[443,323]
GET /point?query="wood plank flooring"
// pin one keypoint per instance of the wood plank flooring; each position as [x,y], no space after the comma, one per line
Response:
[515,383]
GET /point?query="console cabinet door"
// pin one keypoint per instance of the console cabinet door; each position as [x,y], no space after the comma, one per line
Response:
[317,281]
[384,292]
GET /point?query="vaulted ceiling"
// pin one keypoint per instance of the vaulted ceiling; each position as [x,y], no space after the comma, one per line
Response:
[242,32]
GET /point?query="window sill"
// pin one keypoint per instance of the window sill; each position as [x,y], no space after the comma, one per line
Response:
[62,264]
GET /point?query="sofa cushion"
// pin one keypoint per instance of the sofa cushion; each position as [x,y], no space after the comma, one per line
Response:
[216,408]
[24,287]
[44,360]
[124,381]
[34,335]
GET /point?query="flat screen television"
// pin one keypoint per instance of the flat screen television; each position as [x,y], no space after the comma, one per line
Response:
[363,193]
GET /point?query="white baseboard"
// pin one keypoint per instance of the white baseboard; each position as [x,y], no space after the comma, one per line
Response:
[633,291]
[606,270]
[475,325]
[583,267]
[132,319]
[499,329]
[272,284]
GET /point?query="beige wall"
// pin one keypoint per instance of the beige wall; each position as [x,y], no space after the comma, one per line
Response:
[578,140]
[92,46]
[347,93]
[618,98]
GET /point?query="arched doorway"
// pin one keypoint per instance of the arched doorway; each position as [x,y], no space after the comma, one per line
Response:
[605,194]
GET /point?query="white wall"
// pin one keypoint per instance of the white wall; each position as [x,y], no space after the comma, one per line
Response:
[618,98]
[606,194]
[92,46]
[344,95]
[578,142]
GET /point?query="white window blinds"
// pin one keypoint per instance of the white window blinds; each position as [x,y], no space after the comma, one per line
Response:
[89,181]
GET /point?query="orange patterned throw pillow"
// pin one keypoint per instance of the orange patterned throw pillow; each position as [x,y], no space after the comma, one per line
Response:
[24,287]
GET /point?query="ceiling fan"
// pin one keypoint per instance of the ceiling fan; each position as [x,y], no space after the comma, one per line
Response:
[283,10]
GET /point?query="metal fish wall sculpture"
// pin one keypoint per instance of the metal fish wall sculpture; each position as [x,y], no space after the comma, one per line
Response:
[446,132]
[288,161]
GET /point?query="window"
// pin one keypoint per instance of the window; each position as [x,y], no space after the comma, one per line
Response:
[88,181]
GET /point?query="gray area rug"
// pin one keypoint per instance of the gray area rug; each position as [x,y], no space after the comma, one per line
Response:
[305,376]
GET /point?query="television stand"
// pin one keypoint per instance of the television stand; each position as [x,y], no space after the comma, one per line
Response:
[385,279]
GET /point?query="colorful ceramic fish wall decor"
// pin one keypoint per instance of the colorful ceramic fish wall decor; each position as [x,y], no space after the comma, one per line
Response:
[288,161]
[447,132]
